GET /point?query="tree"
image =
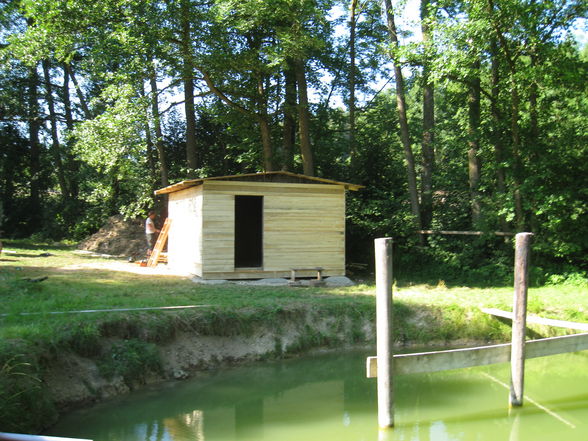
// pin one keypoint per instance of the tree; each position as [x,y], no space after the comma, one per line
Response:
[402,117]
[163,168]
[428,138]
[55,144]
[188,80]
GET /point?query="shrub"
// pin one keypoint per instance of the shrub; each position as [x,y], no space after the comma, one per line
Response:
[132,359]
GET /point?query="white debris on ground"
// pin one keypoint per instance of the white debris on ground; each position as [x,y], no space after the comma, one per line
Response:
[94,254]
[339,281]
[335,281]
[115,264]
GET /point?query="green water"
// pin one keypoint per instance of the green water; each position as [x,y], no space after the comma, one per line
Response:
[327,397]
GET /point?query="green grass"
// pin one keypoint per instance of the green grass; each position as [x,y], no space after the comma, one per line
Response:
[71,286]
[424,314]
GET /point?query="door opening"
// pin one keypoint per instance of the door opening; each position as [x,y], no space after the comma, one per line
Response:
[248,231]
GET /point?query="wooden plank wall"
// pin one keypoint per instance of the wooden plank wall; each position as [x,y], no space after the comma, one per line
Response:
[218,229]
[304,227]
[185,234]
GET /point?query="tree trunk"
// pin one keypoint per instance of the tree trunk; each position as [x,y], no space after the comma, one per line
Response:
[116,191]
[35,150]
[163,168]
[188,80]
[428,150]
[72,166]
[151,156]
[352,80]
[533,112]
[516,153]
[304,118]
[474,170]
[55,145]
[264,124]
[80,93]
[403,120]
[517,167]
[69,122]
[497,139]
[266,141]
[289,130]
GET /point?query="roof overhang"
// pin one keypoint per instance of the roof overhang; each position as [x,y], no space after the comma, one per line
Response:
[311,179]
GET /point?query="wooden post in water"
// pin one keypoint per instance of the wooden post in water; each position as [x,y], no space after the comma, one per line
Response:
[383,251]
[521,283]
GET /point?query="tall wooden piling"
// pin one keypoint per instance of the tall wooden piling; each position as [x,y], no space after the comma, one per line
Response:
[521,284]
[383,251]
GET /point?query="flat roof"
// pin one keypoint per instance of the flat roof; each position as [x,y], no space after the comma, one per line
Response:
[273,176]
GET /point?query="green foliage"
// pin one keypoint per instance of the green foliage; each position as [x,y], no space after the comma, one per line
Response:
[573,278]
[84,339]
[133,360]
[310,338]
[521,52]
[24,405]
[474,261]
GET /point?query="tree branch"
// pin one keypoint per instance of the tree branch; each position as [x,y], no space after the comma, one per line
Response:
[206,77]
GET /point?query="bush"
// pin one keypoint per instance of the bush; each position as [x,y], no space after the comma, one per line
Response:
[133,360]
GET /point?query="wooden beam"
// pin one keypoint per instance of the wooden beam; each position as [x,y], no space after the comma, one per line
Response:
[384,339]
[538,320]
[519,321]
[424,362]
[243,178]
[86,311]
[465,233]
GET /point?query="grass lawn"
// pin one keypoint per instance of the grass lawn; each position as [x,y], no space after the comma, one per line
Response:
[81,282]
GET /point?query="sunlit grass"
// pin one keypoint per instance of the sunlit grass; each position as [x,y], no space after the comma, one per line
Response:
[71,285]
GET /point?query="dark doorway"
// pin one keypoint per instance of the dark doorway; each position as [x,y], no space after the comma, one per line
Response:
[248,231]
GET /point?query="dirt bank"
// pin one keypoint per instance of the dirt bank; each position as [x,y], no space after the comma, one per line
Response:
[72,380]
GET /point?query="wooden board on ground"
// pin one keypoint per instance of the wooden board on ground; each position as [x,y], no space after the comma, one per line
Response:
[538,320]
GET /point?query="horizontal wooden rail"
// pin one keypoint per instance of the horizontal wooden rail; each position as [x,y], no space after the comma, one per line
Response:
[423,362]
[20,437]
[538,320]
[466,233]
[86,311]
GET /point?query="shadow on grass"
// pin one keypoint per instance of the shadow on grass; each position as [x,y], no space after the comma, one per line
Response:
[31,255]
[405,277]
[29,245]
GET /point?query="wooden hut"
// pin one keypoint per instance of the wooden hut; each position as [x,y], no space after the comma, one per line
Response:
[257,225]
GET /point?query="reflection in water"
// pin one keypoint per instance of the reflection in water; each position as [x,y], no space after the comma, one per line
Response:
[327,398]
[249,420]
[515,427]
[187,426]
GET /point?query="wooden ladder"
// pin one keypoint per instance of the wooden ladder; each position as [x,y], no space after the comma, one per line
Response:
[161,239]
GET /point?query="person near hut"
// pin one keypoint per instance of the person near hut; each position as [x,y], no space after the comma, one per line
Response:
[151,231]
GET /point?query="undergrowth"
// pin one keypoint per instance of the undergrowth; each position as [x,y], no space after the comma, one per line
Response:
[24,403]
[133,360]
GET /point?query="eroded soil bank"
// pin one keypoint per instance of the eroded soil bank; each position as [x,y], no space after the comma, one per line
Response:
[125,362]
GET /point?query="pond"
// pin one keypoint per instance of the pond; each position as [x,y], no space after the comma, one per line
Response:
[326,397]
